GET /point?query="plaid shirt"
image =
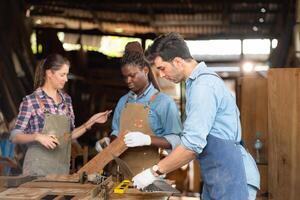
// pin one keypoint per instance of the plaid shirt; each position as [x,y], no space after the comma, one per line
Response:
[31,116]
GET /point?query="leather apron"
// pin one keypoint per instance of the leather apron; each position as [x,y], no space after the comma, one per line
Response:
[134,117]
[40,161]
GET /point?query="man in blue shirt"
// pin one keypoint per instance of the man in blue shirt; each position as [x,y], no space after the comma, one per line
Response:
[211,132]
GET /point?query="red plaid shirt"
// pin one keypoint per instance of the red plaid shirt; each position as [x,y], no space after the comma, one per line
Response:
[31,116]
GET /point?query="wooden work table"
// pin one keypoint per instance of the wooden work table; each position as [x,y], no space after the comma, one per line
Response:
[41,188]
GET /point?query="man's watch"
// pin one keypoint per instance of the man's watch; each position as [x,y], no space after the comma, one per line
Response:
[156,171]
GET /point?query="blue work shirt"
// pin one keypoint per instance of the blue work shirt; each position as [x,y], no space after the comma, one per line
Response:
[211,109]
[164,117]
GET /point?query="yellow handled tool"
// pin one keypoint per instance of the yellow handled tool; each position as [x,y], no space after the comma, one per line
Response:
[122,187]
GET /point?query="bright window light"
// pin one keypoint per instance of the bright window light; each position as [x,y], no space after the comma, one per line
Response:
[248,67]
[214,47]
[274,43]
[261,68]
[33,42]
[114,46]
[148,43]
[256,46]
[61,36]
[70,47]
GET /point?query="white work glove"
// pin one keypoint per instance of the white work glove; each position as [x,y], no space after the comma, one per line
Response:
[135,139]
[144,179]
[99,146]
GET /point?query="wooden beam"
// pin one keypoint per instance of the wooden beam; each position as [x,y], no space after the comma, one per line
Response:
[116,148]
[284,133]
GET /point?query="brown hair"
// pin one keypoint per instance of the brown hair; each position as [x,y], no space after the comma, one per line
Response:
[53,62]
[134,55]
[168,46]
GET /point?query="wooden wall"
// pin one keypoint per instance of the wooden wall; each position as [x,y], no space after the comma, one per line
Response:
[254,112]
[284,133]
[253,104]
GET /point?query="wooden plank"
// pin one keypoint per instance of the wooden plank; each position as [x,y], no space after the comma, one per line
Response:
[117,147]
[23,193]
[254,118]
[254,113]
[57,185]
[263,170]
[135,194]
[14,181]
[74,178]
[284,137]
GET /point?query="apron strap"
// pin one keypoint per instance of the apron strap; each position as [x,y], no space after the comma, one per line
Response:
[152,98]
[43,107]
[241,142]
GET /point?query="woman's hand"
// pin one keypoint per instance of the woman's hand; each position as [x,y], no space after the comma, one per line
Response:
[100,118]
[48,141]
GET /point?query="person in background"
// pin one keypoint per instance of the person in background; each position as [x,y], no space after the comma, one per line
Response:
[212,130]
[46,121]
[150,116]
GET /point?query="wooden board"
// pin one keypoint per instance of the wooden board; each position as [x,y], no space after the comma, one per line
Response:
[23,193]
[117,147]
[73,178]
[263,170]
[14,181]
[253,98]
[135,194]
[284,137]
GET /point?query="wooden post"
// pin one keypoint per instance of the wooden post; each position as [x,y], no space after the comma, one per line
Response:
[284,133]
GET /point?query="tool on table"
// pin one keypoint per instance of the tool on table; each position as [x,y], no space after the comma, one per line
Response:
[122,187]
[124,167]
[161,186]
[95,178]
[157,186]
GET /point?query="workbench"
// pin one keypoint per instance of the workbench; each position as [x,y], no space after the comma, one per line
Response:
[61,189]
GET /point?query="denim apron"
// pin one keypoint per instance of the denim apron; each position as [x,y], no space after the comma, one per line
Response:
[222,169]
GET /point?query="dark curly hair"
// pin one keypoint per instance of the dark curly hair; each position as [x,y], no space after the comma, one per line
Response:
[134,55]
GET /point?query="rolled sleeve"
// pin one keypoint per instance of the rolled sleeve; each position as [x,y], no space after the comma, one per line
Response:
[22,121]
[13,134]
[116,117]
[173,139]
[201,111]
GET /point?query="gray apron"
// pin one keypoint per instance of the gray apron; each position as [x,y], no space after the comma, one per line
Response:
[40,161]
[134,117]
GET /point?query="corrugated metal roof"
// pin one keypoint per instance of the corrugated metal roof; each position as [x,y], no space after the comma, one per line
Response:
[191,18]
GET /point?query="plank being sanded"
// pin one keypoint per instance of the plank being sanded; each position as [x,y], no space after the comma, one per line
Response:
[116,148]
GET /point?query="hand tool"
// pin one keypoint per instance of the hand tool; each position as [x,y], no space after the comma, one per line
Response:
[121,188]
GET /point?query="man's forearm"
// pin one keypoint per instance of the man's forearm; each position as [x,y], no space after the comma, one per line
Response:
[179,157]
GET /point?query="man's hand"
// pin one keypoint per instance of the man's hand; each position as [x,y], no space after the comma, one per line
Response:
[135,139]
[144,179]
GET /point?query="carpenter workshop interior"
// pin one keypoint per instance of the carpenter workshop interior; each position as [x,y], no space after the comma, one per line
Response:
[169,99]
